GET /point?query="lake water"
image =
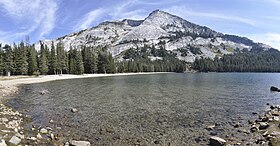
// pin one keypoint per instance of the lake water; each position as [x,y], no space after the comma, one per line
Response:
[164,109]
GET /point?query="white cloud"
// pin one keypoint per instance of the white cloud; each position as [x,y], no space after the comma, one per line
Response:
[185,12]
[272,39]
[89,18]
[29,16]
[116,12]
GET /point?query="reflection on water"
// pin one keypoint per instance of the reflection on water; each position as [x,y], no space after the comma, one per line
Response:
[148,109]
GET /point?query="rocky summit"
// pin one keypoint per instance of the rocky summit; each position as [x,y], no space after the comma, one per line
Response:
[159,30]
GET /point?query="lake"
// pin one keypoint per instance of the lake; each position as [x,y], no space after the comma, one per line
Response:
[159,109]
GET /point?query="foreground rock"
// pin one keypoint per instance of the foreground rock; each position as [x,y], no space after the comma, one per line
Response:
[15,140]
[79,143]
[217,141]
[2,142]
[74,110]
[272,88]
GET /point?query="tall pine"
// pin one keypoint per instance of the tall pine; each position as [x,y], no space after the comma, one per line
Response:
[43,62]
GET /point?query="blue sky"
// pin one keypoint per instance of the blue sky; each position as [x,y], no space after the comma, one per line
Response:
[47,19]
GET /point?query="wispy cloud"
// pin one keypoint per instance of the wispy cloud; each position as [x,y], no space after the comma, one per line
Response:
[272,39]
[185,12]
[29,16]
[89,19]
[115,12]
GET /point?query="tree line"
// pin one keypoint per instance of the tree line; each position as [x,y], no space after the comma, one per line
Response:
[24,59]
[246,61]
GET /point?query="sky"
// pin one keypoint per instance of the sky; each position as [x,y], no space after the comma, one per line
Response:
[258,20]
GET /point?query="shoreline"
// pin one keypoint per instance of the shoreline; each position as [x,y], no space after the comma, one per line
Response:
[10,86]
[12,122]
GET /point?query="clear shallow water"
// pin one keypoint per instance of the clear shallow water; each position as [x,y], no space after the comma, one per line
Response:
[149,109]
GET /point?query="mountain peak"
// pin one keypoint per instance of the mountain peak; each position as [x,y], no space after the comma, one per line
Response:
[158,12]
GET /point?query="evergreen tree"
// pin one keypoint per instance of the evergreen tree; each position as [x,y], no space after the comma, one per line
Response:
[53,60]
[88,60]
[110,66]
[32,60]
[79,63]
[95,64]
[2,66]
[43,62]
[8,59]
[102,62]
[72,62]
[21,59]
[61,58]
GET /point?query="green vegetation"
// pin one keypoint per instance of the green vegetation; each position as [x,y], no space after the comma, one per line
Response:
[23,59]
[246,61]
[137,60]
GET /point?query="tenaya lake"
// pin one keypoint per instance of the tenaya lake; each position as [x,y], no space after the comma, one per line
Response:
[158,109]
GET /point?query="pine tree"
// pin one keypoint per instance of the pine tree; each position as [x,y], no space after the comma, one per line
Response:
[79,63]
[88,60]
[22,59]
[72,63]
[8,60]
[2,66]
[43,62]
[110,66]
[53,60]
[95,63]
[61,58]
[32,60]
[102,62]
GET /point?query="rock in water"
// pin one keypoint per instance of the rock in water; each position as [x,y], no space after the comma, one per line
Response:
[44,131]
[217,141]
[79,143]
[74,110]
[272,88]
[263,125]
[2,142]
[15,140]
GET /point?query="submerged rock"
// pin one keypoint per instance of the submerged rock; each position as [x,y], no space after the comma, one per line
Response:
[263,125]
[44,131]
[74,110]
[39,136]
[217,141]
[79,143]
[15,140]
[254,128]
[210,127]
[272,88]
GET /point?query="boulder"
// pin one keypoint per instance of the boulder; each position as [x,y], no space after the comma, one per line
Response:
[254,128]
[39,136]
[2,142]
[74,110]
[44,131]
[263,125]
[79,143]
[272,88]
[217,141]
[15,140]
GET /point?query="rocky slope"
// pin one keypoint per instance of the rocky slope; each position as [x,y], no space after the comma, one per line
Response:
[159,29]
